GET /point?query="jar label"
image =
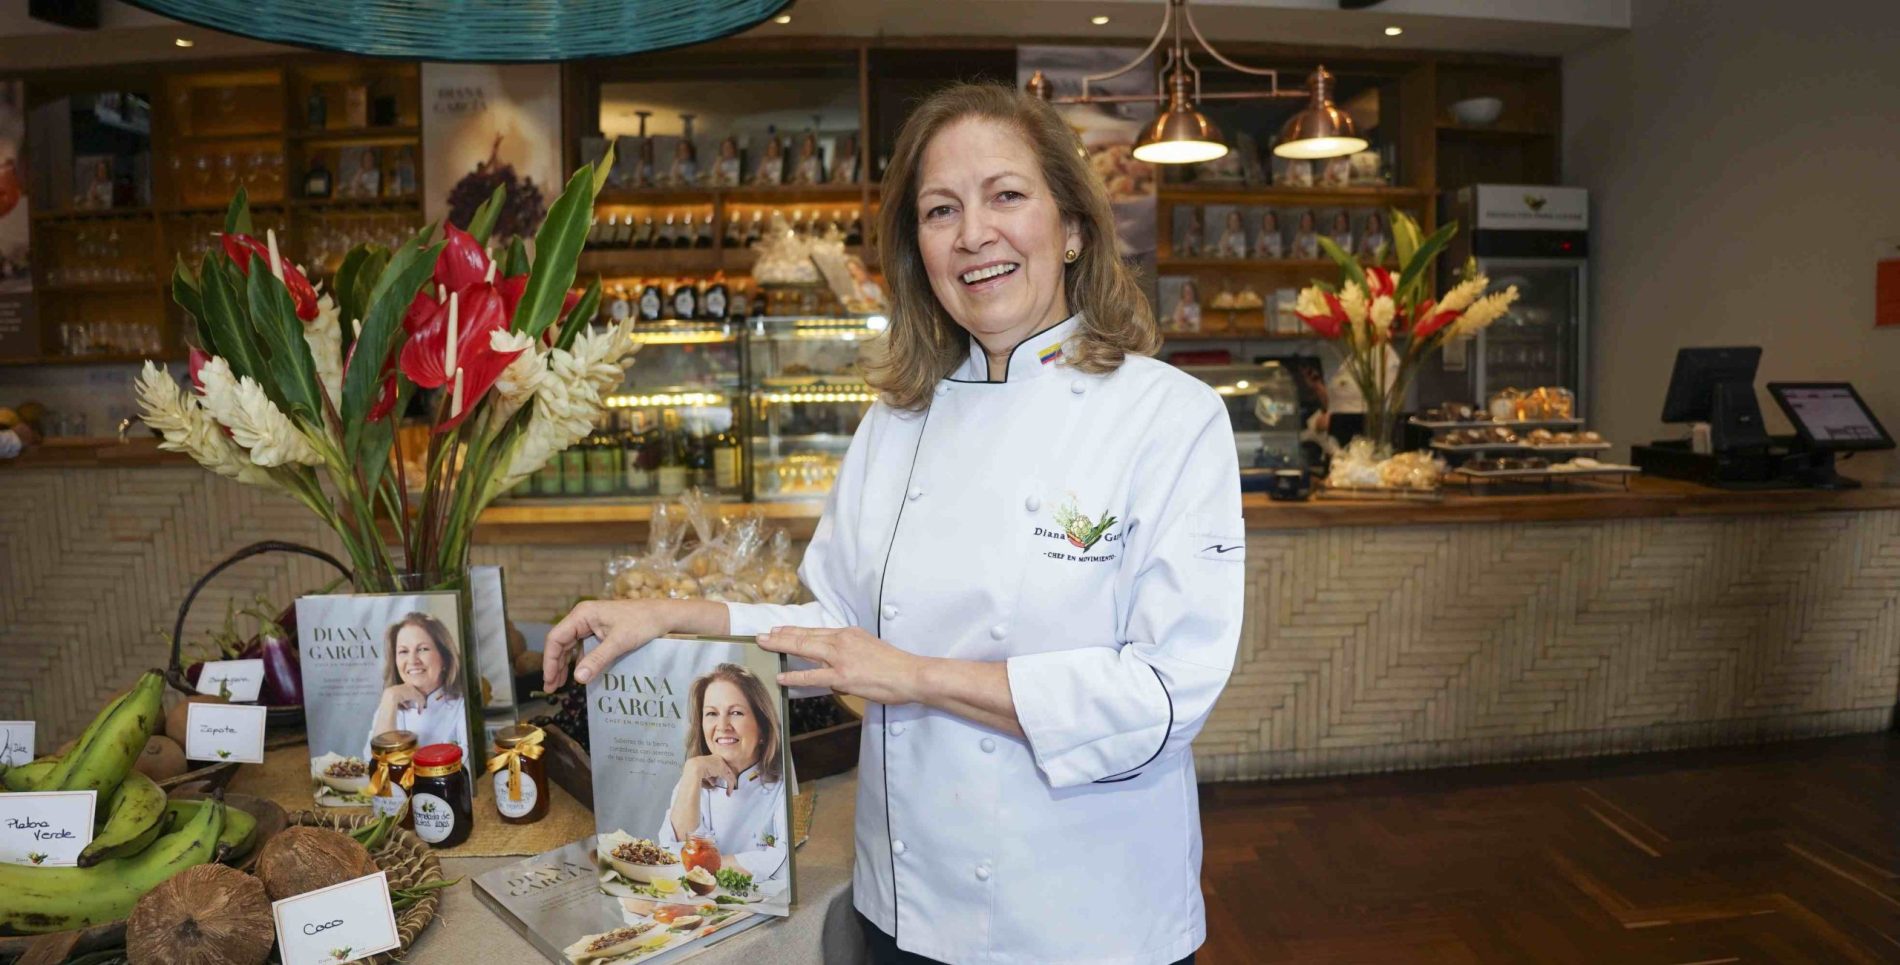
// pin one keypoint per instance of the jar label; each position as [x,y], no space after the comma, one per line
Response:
[434,818]
[390,803]
[515,809]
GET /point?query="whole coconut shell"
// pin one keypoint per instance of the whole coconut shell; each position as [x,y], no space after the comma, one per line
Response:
[162,759]
[207,915]
[302,859]
[175,717]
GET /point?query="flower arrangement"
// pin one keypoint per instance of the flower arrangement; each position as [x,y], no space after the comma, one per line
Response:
[286,396]
[1373,309]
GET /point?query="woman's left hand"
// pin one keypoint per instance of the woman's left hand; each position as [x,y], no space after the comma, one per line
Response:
[850,661]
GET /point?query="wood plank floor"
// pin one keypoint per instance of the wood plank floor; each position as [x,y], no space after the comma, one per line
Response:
[1782,853]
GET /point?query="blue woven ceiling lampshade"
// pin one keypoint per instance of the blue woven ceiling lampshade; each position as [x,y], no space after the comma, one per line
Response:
[476,30]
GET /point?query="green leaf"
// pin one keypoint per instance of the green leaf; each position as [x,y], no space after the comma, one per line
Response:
[185,292]
[377,437]
[482,224]
[584,312]
[274,317]
[382,331]
[1417,268]
[603,167]
[224,325]
[355,278]
[1405,235]
[517,262]
[1346,262]
[557,248]
[237,217]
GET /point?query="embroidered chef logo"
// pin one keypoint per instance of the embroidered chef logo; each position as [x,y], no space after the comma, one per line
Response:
[1079,531]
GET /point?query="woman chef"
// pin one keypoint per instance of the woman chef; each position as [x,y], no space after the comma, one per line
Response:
[1031,565]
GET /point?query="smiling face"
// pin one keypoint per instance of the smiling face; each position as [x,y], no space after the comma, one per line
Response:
[991,235]
[730,725]
[418,660]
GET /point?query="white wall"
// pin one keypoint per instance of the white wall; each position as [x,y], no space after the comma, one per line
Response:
[1743,158]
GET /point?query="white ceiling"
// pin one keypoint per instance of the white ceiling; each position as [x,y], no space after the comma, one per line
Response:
[1543,27]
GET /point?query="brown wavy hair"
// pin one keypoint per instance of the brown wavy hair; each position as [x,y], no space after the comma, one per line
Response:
[924,344]
[438,635]
[763,710]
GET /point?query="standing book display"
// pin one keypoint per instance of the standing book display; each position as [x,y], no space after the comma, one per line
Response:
[692,813]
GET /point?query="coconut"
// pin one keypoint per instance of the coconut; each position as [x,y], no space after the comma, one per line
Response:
[301,859]
[162,759]
[205,915]
[175,717]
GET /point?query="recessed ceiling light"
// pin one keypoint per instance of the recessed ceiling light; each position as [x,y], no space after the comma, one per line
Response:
[1394,31]
[782,18]
[185,42]
[1098,21]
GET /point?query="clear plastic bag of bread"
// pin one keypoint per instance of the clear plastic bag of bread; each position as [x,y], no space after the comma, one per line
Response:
[733,554]
[778,576]
[657,574]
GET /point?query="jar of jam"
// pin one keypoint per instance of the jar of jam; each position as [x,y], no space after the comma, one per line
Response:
[701,851]
[521,785]
[440,800]
[391,775]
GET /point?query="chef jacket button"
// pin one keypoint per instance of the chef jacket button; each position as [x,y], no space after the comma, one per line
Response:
[1032,504]
[997,632]
[916,493]
[890,611]
[897,847]
[983,871]
[897,729]
[943,388]
[1078,387]
[988,744]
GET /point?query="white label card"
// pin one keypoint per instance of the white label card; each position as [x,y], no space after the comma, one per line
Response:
[237,681]
[46,828]
[341,923]
[225,732]
[16,742]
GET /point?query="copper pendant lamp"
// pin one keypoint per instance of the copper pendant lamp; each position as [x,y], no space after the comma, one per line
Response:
[1181,134]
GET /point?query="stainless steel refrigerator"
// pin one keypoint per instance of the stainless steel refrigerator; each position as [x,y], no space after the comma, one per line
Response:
[1536,237]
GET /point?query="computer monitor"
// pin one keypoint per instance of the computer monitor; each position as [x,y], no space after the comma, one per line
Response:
[1829,416]
[1692,385]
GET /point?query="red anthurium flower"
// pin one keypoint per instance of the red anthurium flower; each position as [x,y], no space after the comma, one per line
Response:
[239,248]
[1378,282]
[198,359]
[422,310]
[480,314]
[462,263]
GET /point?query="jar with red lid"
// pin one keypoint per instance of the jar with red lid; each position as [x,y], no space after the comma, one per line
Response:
[441,802]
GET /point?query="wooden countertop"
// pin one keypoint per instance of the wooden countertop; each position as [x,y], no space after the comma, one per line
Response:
[589,521]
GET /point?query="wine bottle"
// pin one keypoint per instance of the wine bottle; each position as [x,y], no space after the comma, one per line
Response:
[671,478]
[603,458]
[685,299]
[669,233]
[637,474]
[717,300]
[756,229]
[699,466]
[652,302]
[735,232]
[643,237]
[619,306]
[316,181]
[599,231]
[704,237]
[726,460]
[854,235]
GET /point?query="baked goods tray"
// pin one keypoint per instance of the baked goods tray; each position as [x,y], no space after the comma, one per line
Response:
[1489,424]
[1372,493]
[1524,447]
[1553,472]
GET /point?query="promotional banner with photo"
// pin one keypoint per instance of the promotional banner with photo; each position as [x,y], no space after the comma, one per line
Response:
[373,663]
[1108,132]
[692,778]
[485,125]
[19,334]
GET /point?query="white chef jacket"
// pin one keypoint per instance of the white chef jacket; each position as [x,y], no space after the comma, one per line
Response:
[1083,842]
[443,720]
[748,825]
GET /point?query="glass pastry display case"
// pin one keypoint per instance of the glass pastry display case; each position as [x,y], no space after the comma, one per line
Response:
[806,396]
[1263,403]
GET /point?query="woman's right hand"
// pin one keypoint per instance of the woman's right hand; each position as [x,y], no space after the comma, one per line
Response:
[404,696]
[623,626]
[709,772]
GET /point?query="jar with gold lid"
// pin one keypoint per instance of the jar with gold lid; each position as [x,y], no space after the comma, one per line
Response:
[520,776]
[392,754]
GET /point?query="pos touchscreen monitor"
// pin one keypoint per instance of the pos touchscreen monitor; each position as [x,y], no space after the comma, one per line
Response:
[1829,416]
